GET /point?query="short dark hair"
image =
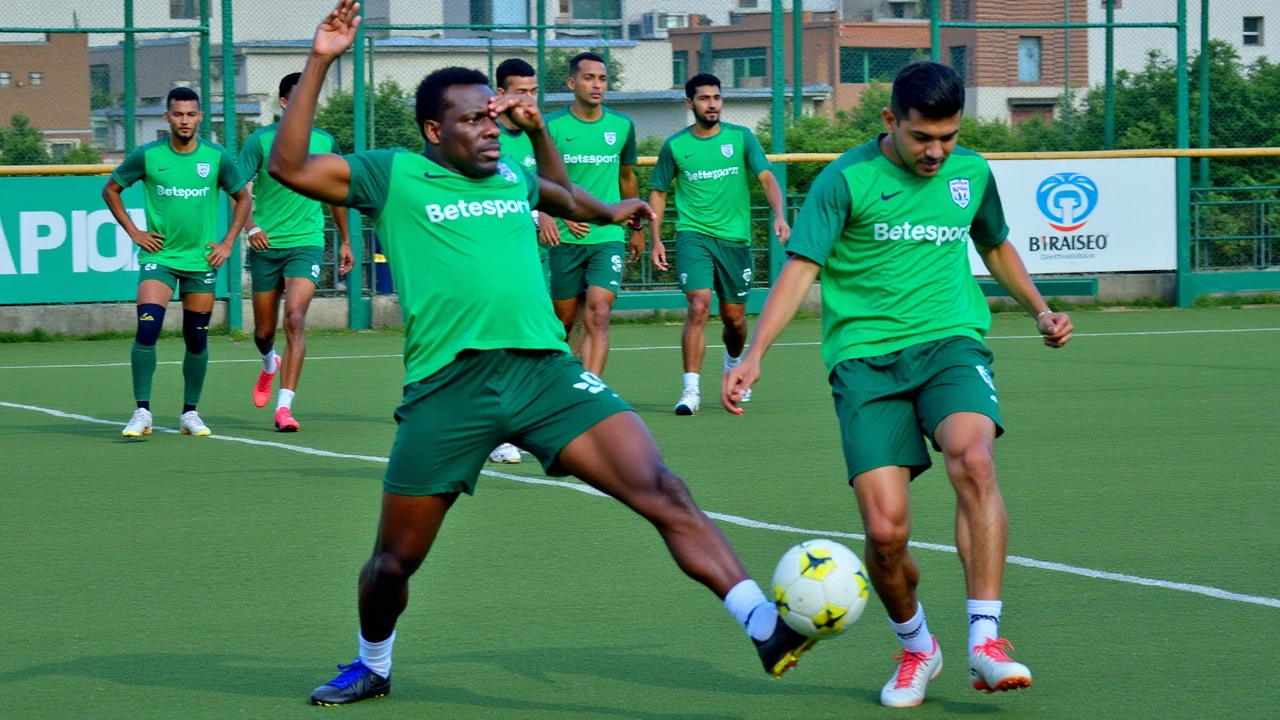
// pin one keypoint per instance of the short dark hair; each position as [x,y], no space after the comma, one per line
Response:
[287,82]
[513,67]
[932,89]
[580,58]
[699,80]
[429,104]
[180,93]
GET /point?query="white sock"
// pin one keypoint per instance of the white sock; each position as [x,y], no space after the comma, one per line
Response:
[914,633]
[377,656]
[271,362]
[730,362]
[284,399]
[748,605]
[984,621]
[691,381]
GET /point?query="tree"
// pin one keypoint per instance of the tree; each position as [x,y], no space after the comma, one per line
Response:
[22,143]
[81,155]
[393,120]
[99,99]
[555,71]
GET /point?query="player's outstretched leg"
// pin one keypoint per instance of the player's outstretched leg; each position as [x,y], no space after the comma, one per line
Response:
[967,440]
[153,296]
[618,456]
[883,498]
[297,300]
[693,347]
[734,316]
[408,526]
[265,307]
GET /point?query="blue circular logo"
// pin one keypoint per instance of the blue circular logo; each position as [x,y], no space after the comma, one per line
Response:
[1067,200]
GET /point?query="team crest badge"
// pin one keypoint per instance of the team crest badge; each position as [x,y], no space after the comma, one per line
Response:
[202,169]
[611,137]
[727,150]
[960,192]
[506,172]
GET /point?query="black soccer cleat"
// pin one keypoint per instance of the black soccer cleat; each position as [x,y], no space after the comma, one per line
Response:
[783,649]
[356,682]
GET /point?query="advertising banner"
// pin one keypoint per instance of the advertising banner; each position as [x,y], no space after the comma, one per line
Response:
[1089,216]
[60,244]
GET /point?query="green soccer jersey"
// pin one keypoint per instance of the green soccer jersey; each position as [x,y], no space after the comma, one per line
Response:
[712,180]
[516,143]
[893,248]
[463,256]
[181,191]
[289,219]
[593,154]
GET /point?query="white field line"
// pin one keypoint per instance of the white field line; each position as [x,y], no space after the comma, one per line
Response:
[657,347]
[1205,590]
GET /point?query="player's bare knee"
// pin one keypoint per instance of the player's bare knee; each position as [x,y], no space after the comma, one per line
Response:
[887,539]
[389,564]
[295,322]
[699,310]
[972,468]
[666,496]
[597,316]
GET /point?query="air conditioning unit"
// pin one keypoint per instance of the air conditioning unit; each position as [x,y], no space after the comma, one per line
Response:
[654,25]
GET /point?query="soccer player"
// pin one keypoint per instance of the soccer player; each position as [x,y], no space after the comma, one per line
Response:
[181,175]
[888,225]
[485,357]
[599,148]
[708,163]
[286,243]
[517,77]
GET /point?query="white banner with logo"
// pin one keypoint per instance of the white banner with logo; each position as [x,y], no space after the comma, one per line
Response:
[1087,216]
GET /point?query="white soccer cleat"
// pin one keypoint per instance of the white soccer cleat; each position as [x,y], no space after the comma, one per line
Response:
[190,424]
[690,399]
[139,424]
[907,685]
[505,453]
[992,670]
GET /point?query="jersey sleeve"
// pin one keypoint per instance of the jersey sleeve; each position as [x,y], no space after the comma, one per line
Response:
[370,180]
[251,157]
[628,156]
[989,226]
[822,217]
[531,182]
[333,143]
[756,160]
[230,178]
[133,169]
[665,169]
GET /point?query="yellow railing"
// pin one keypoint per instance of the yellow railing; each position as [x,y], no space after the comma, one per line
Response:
[106,169]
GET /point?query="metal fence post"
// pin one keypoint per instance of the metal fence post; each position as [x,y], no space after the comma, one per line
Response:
[358,308]
[235,310]
[797,59]
[541,34]
[778,123]
[130,83]
[1186,293]
[206,126]
[935,31]
[1109,108]
[1205,58]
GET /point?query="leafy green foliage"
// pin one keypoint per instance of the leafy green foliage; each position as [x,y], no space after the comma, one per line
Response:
[22,143]
[393,118]
[555,71]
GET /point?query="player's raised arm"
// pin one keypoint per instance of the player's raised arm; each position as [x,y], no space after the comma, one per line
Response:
[577,204]
[524,113]
[326,178]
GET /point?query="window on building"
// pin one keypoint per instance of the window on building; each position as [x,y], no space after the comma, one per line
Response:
[481,12]
[6,78]
[961,10]
[100,78]
[748,4]
[597,9]
[35,78]
[1029,59]
[58,149]
[564,7]
[742,67]
[1103,4]
[679,68]
[960,60]
[183,10]
[1253,31]
[862,65]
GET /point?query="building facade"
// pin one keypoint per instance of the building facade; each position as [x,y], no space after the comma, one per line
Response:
[43,77]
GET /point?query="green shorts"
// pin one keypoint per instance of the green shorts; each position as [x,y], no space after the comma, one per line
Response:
[574,268]
[449,423]
[888,404]
[184,281]
[705,262]
[269,268]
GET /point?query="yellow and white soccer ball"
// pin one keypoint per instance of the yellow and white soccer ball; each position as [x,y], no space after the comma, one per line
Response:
[820,587]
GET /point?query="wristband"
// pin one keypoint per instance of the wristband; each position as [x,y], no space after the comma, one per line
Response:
[1043,313]
[254,231]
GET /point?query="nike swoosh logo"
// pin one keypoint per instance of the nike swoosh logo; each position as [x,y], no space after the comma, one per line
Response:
[889,196]
[161,169]
[686,157]
[571,139]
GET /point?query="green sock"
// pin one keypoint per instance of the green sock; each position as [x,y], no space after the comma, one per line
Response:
[143,361]
[193,369]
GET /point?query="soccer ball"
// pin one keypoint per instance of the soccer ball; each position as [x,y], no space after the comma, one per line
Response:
[820,587]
